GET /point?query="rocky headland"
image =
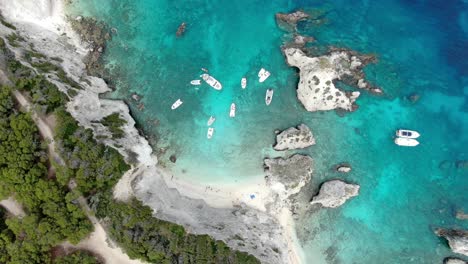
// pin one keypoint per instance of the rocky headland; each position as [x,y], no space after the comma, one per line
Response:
[316,89]
[295,138]
[457,239]
[335,193]
[454,261]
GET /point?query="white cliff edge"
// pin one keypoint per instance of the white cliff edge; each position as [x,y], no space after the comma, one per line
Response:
[267,234]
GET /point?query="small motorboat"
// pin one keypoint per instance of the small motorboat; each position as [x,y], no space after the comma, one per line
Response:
[263,75]
[211,81]
[176,104]
[195,82]
[243,83]
[232,112]
[211,120]
[403,133]
[210,132]
[406,142]
[268,96]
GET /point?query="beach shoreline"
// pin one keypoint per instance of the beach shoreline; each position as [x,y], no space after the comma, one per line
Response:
[50,21]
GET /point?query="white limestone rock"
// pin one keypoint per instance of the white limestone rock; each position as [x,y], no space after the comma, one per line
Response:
[454,261]
[316,90]
[457,239]
[335,193]
[295,138]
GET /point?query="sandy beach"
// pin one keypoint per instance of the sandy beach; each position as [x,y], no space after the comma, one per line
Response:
[253,195]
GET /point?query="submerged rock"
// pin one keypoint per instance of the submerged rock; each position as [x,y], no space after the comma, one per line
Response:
[295,138]
[316,89]
[454,261]
[457,239]
[461,215]
[343,167]
[461,164]
[173,158]
[288,176]
[335,193]
[289,21]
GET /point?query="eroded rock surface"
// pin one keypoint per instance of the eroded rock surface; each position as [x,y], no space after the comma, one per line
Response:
[335,193]
[295,138]
[288,176]
[289,21]
[454,261]
[316,89]
[457,239]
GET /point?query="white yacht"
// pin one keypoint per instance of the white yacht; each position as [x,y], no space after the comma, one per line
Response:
[176,104]
[211,81]
[244,83]
[232,112]
[263,75]
[211,120]
[268,96]
[195,82]
[210,132]
[406,142]
[403,133]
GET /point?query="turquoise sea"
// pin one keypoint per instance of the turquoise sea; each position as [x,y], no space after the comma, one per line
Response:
[422,48]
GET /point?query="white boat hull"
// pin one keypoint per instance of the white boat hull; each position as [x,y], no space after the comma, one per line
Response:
[268,96]
[211,81]
[195,82]
[176,104]
[406,142]
[232,112]
[211,120]
[244,83]
[210,132]
[403,133]
[263,75]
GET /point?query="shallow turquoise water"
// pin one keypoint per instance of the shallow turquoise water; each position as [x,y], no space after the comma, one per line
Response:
[405,192]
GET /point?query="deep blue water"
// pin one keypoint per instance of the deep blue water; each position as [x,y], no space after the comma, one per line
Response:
[422,47]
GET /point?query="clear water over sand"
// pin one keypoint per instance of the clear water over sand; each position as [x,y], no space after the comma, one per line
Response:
[405,192]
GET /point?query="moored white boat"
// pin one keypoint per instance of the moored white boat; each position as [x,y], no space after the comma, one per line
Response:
[195,82]
[404,133]
[406,142]
[268,96]
[232,112]
[243,82]
[263,75]
[211,81]
[211,120]
[176,104]
[210,132]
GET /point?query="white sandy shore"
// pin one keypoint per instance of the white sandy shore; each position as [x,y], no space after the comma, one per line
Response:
[46,17]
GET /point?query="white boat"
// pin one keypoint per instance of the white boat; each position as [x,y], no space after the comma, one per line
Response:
[210,132]
[195,82]
[268,96]
[232,113]
[403,133]
[211,81]
[243,83]
[263,75]
[406,142]
[176,104]
[211,120]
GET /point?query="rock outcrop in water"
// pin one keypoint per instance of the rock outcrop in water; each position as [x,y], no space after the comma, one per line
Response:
[288,176]
[454,261]
[343,167]
[457,239]
[316,89]
[335,193]
[295,138]
[289,21]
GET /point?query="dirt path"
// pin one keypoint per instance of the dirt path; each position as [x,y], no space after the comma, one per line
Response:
[97,242]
